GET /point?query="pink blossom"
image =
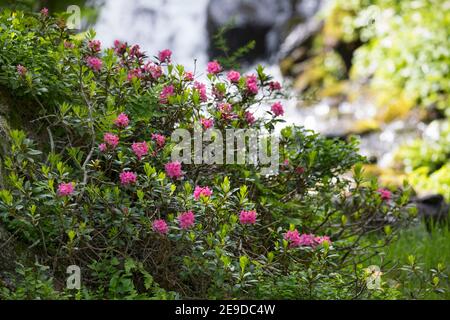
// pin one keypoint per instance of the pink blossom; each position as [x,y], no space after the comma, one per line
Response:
[173,169]
[122,120]
[308,240]
[159,138]
[44,12]
[214,67]
[154,70]
[207,123]
[66,189]
[140,149]
[225,110]
[299,170]
[165,55]
[186,219]
[135,51]
[233,76]
[95,45]
[21,70]
[167,92]
[277,109]
[293,237]
[111,140]
[134,73]
[249,117]
[127,177]
[94,63]
[252,84]
[385,194]
[322,239]
[274,85]
[188,76]
[68,45]
[286,162]
[248,217]
[120,47]
[224,107]
[202,191]
[102,147]
[160,226]
[201,88]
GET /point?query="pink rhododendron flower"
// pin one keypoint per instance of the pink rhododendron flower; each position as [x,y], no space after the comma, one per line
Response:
[286,162]
[95,45]
[207,123]
[154,70]
[127,177]
[160,226]
[214,67]
[277,109]
[308,240]
[66,189]
[293,237]
[299,170]
[322,239]
[44,12]
[21,70]
[274,85]
[173,169]
[188,76]
[159,138]
[233,76]
[385,193]
[248,217]
[224,107]
[140,149]
[252,84]
[94,63]
[249,117]
[134,73]
[135,51]
[102,147]
[122,120]
[120,47]
[201,88]
[167,92]
[68,45]
[226,111]
[111,140]
[165,55]
[202,191]
[186,219]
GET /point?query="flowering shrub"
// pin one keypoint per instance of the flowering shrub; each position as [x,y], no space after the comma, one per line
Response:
[105,194]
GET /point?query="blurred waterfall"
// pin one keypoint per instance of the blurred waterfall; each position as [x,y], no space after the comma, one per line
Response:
[178,25]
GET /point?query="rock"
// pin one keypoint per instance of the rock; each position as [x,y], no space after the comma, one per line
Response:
[259,20]
[433,209]
[297,43]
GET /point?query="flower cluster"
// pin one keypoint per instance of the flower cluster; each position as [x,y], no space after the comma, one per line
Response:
[248,217]
[310,240]
[186,219]
[202,191]
[94,63]
[173,169]
[140,149]
[66,189]
[127,178]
